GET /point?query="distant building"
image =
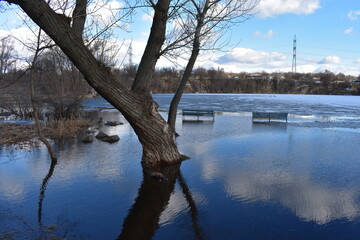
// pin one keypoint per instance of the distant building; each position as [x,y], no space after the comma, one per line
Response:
[256,76]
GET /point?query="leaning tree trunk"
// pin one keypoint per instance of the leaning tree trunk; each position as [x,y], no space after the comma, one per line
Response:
[140,110]
[188,70]
[180,90]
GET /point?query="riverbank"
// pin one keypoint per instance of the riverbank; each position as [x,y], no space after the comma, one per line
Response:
[24,133]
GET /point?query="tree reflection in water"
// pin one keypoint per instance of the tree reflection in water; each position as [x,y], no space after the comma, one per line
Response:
[192,206]
[64,228]
[153,197]
[43,189]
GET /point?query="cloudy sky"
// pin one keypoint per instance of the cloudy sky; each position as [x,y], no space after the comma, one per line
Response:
[327,34]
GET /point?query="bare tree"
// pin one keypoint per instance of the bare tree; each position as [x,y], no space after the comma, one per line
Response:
[201,24]
[61,84]
[38,51]
[7,56]
[137,105]
[10,100]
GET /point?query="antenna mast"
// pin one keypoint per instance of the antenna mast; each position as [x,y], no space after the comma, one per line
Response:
[293,69]
[130,54]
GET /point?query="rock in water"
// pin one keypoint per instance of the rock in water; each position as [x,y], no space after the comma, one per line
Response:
[111,139]
[87,139]
[101,135]
[90,131]
[106,138]
[113,123]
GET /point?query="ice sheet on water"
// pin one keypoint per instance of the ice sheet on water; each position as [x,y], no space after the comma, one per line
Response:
[319,110]
[295,104]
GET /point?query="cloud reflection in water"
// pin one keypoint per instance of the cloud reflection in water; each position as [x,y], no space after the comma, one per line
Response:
[309,201]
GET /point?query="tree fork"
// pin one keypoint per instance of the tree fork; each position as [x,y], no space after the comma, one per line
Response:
[159,146]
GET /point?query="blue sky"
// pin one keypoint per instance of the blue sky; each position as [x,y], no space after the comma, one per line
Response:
[328,37]
[327,32]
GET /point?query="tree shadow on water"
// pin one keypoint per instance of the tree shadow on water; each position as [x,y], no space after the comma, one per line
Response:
[63,229]
[153,198]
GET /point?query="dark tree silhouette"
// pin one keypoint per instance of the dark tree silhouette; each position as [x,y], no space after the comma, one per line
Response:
[136,105]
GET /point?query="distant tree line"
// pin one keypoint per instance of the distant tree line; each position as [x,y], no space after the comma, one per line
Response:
[61,86]
[202,80]
[218,81]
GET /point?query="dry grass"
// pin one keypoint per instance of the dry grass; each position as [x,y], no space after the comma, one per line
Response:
[11,134]
[65,129]
[20,134]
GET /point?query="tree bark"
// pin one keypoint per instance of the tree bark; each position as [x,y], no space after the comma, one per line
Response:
[140,111]
[151,54]
[188,70]
[180,90]
[79,18]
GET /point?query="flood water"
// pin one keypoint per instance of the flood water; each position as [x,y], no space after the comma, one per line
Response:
[299,180]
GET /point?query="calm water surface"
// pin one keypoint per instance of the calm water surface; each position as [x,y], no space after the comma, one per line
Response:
[243,181]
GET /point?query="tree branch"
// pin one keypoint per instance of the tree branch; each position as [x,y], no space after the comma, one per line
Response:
[79,18]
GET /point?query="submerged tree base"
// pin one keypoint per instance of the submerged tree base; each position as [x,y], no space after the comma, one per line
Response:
[152,164]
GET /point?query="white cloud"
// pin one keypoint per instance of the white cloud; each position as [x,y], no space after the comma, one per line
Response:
[353,15]
[358,60]
[248,60]
[330,60]
[257,34]
[145,34]
[147,17]
[349,30]
[269,8]
[249,56]
[305,68]
[103,12]
[269,34]
[21,36]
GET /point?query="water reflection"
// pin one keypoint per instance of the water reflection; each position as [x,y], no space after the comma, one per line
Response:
[153,198]
[249,181]
[304,171]
[192,205]
[12,187]
[43,189]
[307,200]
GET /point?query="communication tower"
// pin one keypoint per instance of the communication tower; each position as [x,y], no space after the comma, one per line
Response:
[130,54]
[293,69]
